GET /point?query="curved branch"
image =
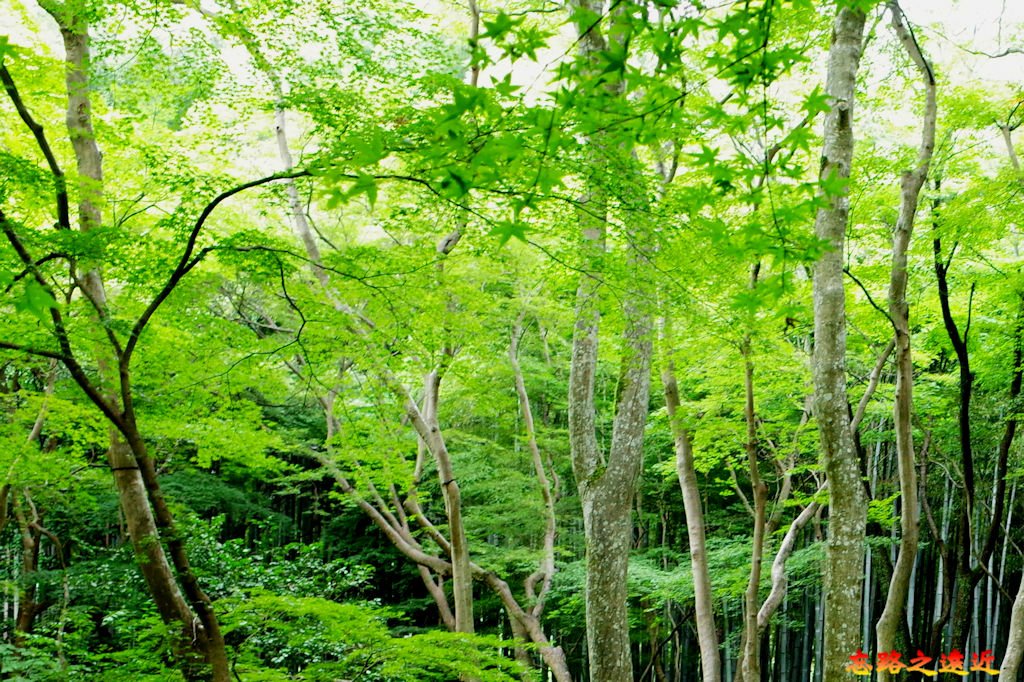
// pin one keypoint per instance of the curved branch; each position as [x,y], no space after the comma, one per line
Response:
[60,184]
[186,262]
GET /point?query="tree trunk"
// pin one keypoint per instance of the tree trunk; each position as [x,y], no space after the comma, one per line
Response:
[750,665]
[606,485]
[1015,643]
[198,644]
[28,606]
[707,634]
[912,182]
[847,507]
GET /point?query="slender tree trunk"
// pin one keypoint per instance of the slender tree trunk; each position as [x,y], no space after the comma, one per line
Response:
[28,606]
[707,634]
[896,598]
[1015,643]
[750,668]
[546,571]
[847,506]
[429,430]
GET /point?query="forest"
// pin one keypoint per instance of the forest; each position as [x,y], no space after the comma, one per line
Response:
[537,340]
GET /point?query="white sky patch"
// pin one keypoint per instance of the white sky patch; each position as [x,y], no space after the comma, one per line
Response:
[954,29]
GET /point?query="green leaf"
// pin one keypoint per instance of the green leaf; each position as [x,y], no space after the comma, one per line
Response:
[500,26]
[504,87]
[369,149]
[833,185]
[364,184]
[816,102]
[35,300]
[707,156]
[507,229]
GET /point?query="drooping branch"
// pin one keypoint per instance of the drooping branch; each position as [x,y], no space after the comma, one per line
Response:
[546,570]
[778,591]
[409,549]
[59,181]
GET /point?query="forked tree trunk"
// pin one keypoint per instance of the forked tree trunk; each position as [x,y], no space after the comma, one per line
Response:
[847,507]
[197,643]
[899,312]
[606,484]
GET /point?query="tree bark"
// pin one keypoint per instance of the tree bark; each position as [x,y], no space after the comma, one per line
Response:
[1015,643]
[606,485]
[707,633]
[750,667]
[912,182]
[28,606]
[198,644]
[847,507]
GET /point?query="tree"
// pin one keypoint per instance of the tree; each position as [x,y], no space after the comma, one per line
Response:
[839,455]
[606,482]
[200,647]
[912,183]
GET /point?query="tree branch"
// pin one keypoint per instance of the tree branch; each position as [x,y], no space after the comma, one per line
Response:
[186,262]
[60,184]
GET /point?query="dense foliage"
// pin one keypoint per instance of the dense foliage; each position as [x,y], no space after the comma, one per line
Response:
[297,300]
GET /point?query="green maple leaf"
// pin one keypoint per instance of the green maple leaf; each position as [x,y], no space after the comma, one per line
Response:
[505,230]
[834,185]
[501,25]
[816,102]
[707,156]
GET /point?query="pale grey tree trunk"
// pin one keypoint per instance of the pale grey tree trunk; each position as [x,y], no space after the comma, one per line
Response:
[1015,643]
[899,312]
[707,634]
[847,506]
[549,493]
[778,571]
[606,484]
